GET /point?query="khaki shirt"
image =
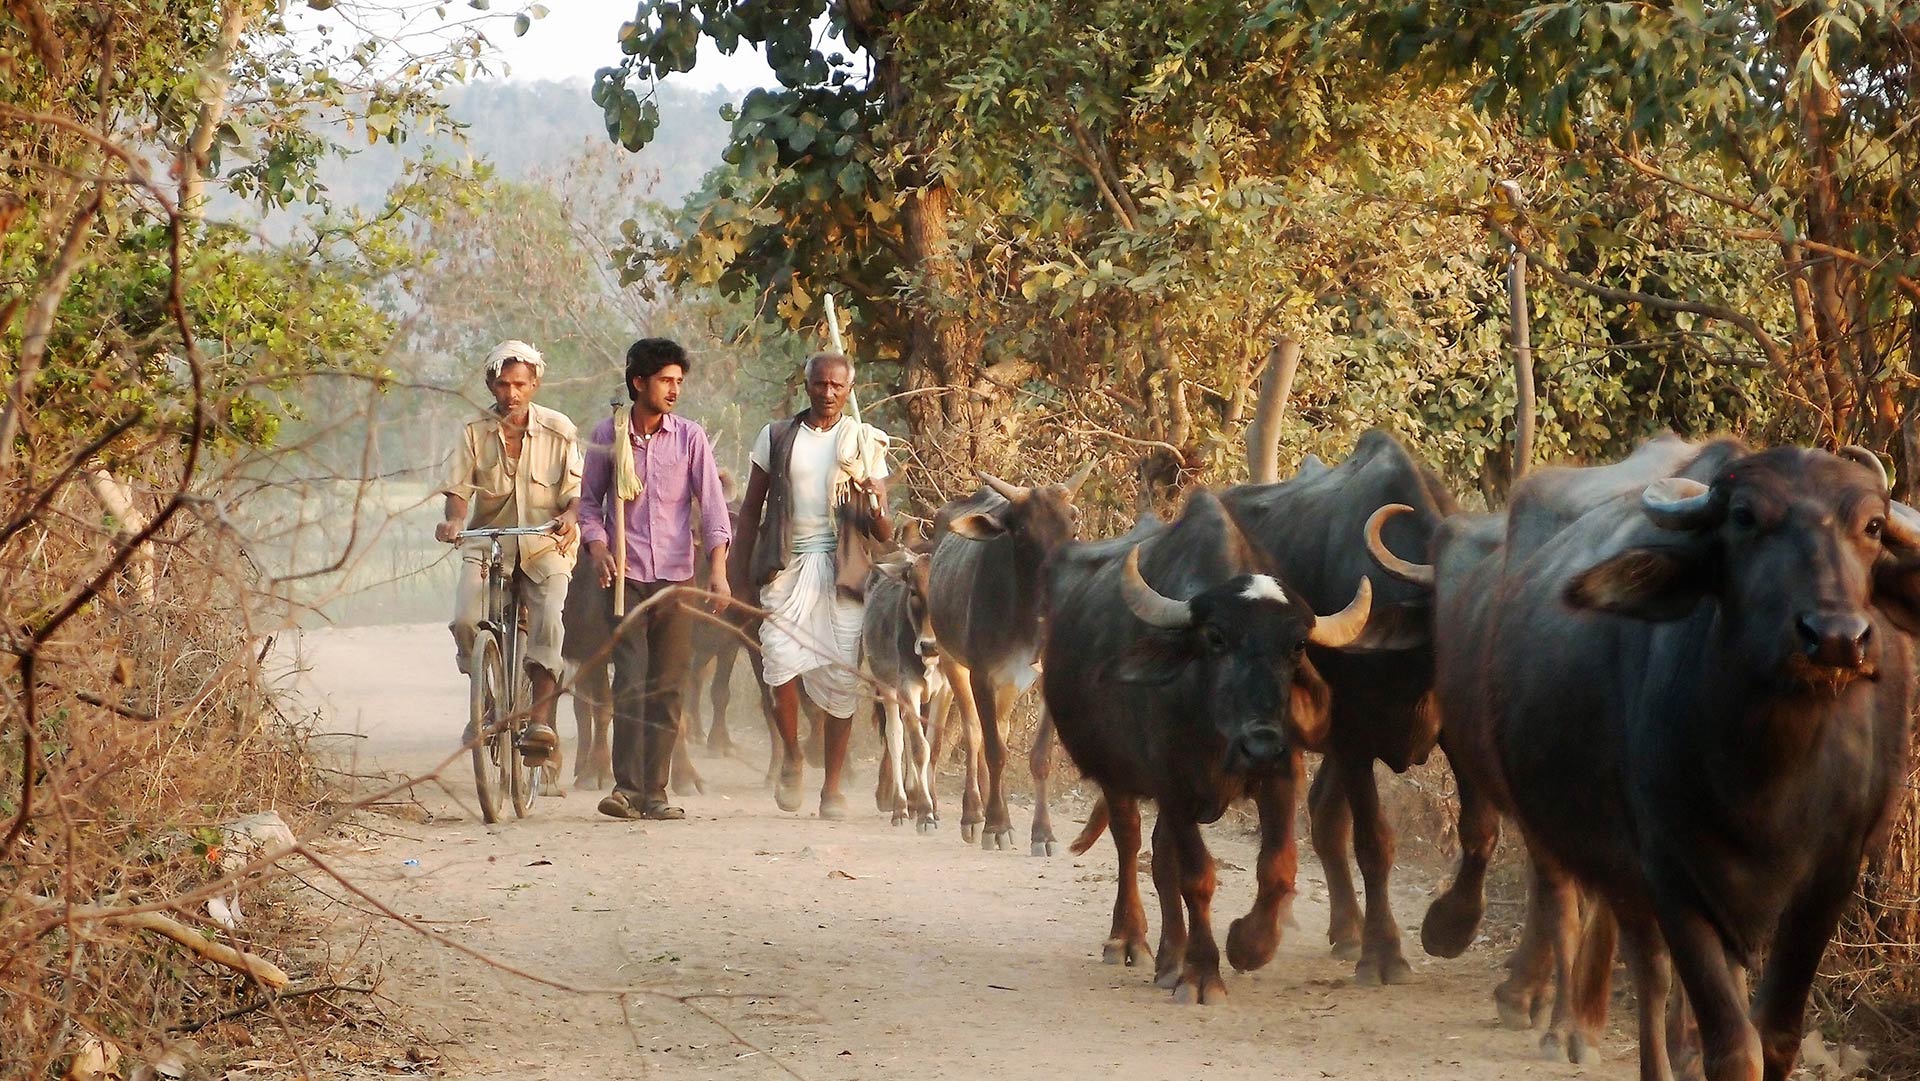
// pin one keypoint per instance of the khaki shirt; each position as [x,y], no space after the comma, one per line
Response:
[542,483]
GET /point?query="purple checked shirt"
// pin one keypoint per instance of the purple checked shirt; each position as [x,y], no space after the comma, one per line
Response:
[676,467]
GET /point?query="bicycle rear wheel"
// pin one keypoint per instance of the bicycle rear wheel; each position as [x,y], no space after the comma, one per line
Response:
[495,759]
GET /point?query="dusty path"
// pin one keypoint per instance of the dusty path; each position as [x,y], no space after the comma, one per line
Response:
[832,950]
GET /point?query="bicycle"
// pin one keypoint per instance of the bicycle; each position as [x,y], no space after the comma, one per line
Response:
[499,707]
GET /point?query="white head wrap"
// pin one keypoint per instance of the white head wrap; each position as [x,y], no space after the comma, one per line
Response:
[511,350]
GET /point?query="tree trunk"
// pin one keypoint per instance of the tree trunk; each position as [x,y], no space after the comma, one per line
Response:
[948,422]
[1263,435]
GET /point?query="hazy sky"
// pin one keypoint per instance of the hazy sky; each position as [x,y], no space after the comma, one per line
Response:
[576,38]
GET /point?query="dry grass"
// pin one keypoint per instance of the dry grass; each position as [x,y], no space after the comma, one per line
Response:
[155,726]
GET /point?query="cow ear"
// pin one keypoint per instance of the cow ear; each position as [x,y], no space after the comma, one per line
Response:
[1155,658]
[1311,704]
[978,526]
[1656,584]
[893,569]
[1896,591]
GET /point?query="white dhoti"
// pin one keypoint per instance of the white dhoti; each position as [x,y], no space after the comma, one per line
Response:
[812,633]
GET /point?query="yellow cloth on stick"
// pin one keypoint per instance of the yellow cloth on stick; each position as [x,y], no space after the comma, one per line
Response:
[626,478]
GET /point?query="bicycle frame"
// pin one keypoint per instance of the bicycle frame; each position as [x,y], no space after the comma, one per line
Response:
[500,704]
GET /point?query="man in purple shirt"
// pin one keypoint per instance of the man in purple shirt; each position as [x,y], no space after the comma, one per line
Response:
[649,467]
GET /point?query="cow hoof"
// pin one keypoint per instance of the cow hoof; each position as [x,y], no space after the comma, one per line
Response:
[1346,951]
[1119,951]
[1517,1008]
[927,824]
[1247,948]
[1372,973]
[720,748]
[1550,1048]
[1044,848]
[1450,925]
[585,783]
[997,840]
[689,788]
[549,787]
[969,832]
[1167,980]
[1209,993]
[1583,1050]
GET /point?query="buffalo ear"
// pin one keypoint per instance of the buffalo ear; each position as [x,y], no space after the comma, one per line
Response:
[978,526]
[1896,590]
[1155,658]
[1656,584]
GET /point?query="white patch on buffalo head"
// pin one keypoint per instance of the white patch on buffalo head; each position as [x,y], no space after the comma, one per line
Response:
[1262,587]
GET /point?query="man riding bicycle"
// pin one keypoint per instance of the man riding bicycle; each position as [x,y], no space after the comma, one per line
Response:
[518,466]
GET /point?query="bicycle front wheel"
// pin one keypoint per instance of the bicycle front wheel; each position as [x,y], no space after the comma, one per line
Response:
[489,735]
[525,779]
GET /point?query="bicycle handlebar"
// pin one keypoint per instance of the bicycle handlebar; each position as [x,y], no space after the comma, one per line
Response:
[506,531]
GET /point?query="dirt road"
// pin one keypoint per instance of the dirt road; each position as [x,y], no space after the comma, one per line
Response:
[762,944]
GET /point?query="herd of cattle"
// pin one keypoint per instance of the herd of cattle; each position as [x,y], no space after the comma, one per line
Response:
[1686,677]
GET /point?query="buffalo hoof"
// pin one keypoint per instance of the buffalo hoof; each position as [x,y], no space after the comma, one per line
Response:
[1371,972]
[1450,925]
[969,832]
[1202,991]
[997,840]
[1119,951]
[927,824]
[1346,951]
[1519,1006]
[1576,1047]
[1249,946]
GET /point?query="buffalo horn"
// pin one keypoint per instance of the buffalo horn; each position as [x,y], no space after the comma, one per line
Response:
[1903,527]
[1420,574]
[1146,602]
[1012,493]
[1345,626]
[1679,503]
[1074,482]
[1859,455]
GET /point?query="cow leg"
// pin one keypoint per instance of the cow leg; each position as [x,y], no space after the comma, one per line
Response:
[1253,938]
[1173,915]
[961,681]
[997,832]
[686,776]
[1040,766]
[1780,1006]
[698,677]
[1454,917]
[882,796]
[719,742]
[896,760]
[592,709]
[1200,975]
[1381,961]
[1592,983]
[1730,1046]
[1331,820]
[1652,990]
[1524,996]
[1127,941]
[1560,924]
[924,739]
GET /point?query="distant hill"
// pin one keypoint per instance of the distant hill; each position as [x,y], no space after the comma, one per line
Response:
[527,129]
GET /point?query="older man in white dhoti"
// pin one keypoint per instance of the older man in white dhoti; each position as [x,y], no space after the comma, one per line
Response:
[811,473]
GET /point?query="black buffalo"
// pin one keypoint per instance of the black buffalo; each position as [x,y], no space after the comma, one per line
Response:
[1698,701]
[1176,670]
[1308,526]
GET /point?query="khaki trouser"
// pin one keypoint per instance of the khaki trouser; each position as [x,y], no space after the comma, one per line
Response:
[544,602]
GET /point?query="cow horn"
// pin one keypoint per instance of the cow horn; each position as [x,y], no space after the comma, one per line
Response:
[1074,482]
[1903,526]
[1859,455]
[1344,627]
[1012,493]
[1679,503]
[1420,574]
[1146,602]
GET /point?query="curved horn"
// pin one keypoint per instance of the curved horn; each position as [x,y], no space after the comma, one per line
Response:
[1420,574]
[1679,503]
[1012,493]
[1146,602]
[1345,626]
[1859,455]
[1074,482]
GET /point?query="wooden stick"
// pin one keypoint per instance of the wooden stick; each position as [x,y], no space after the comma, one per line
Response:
[619,522]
